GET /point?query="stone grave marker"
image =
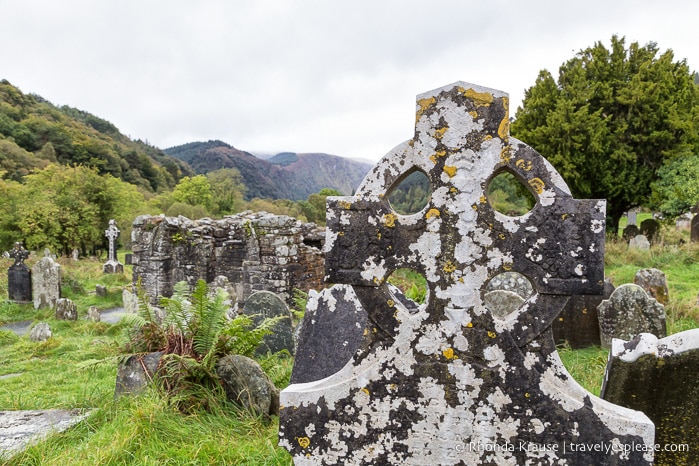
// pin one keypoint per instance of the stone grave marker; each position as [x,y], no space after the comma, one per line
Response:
[654,282]
[19,277]
[650,228]
[694,229]
[75,255]
[659,377]
[265,304]
[46,282]
[40,332]
[628,312]
[639,242]
[112,265]
[630,232]
[129,301]
[631,216]
[66,309]
[449,382]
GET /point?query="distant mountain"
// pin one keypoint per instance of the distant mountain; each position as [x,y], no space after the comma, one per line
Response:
[284,176]
[34,133]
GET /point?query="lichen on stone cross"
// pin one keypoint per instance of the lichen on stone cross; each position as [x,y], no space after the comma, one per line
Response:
[452,383]
[112,233]
[18,253]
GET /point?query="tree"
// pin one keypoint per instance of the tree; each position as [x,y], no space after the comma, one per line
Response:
[227,189]
[611,120]
[194,191]
[677,188]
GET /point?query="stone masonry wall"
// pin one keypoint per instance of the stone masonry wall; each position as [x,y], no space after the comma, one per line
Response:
[255,251]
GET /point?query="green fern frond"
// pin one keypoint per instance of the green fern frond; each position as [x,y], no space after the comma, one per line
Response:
[211,322]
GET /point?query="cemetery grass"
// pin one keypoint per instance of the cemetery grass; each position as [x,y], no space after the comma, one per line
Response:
[76,368]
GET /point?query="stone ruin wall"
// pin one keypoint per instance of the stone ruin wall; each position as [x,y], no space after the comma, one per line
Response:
[255,251]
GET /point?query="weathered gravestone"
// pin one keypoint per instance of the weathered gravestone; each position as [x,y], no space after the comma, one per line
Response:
[449,383]
[628,312]
[112,265]
[40,332]
[650,228]
[630,232]
[654,282]
[263,305]
[631,216]
[66,310]
[659,377]
[129,300]
[46,282]
[694,229]
[639,242]
[19,277]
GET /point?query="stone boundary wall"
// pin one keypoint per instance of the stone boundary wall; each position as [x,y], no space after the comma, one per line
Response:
[254,250]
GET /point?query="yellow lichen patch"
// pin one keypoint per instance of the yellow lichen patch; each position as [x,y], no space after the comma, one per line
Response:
[423,105]
[479,98]
[487,137]
[492,334]
[483,199]
[537,185]
[389,220]
[527,395]
[564,216]
[449,170]
[377,280]
[439,133]
[344,205]
[365,390]
[506,154]
[391,303]
[501,236]
[474,207]
[378,234]
[432,213]
[449,267]
[469,325]
[440,153]
[453,190]
[525,165]
[449,354]
[304,442]
[340,233]
[504,129]
[507,266]
[474,114]
[433,158]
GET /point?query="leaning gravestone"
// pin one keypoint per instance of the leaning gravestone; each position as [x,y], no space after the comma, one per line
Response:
[654,282]
[263,305]
[450,383]
[19,277]
[659,377]
[46,282]
[628,312]
[650,228]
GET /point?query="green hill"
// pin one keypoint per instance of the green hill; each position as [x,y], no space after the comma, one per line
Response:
[34,133]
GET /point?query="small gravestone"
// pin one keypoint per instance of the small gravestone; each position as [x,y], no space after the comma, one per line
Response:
[501,303]
[129,301]
[247,385]
[449,382]
[630,232]
[19,277]
[112,265]
[46,282]
[628,312]
[222,282]
[650,228]
[659,377]
[128,258]
[100,290]
[631,216]
[654,282]
[134,374]
[40,332]
[683,223]
[694,229]
[66,309]
[578,323]
[263,305]
[93,314]
[511,281]
[639,242]
[75,255]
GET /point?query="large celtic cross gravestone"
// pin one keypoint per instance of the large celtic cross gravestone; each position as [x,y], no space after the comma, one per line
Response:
[112,265]
[450,382]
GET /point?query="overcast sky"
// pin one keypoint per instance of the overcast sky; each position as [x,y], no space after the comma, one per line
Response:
[339,77]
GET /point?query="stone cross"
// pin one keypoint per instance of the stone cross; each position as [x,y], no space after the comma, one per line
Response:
[451,382]
[18,253]
[112,265]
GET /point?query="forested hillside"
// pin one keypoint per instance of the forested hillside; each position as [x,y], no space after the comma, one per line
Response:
[35,133]
[285,176]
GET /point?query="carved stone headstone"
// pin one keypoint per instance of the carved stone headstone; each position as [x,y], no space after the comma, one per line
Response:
[694,229]
[631,216]
[630,232]
[112,265]
[46,283]
[134,374]
[93,314]
[129,300]
[659,377]
[263,305]
[654,282]
[19,277]
[100,290]
[40,332]
[639,242]
[650,228]
[75,255]
[66,310]
[628,312]
[449,382]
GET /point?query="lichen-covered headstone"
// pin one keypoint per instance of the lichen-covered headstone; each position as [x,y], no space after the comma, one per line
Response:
[628,312]
[40,332]
[639,242]
[449,382]
[46,283]
[19,277]
[66,310]
[659,377]
[93,314]
[112,265]
[654,282]
[129,300]
[263,305]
